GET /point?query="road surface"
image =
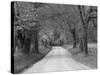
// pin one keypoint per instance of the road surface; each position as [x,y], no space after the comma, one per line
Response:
[58,59]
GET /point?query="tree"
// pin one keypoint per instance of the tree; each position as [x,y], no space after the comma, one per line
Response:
[85,16]
[36,6]
[72,23]
[25,17]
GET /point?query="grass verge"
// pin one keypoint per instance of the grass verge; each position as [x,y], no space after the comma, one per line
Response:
[21,62]
[90,60]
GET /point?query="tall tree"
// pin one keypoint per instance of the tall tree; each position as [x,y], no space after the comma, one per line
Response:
[85,15]
[36,6]
[25,17]
[72,23]
[84,23]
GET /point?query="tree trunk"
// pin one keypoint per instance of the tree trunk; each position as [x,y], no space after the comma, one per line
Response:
[83,42]
[74,37]
[27,44]
[74,40]
[36,42]
[81,45]
[74,43]
[84,22]
[85,45]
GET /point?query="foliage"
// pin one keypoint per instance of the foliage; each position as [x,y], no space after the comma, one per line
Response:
[44,18]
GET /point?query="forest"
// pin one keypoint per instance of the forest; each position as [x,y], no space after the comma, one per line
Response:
[37,27]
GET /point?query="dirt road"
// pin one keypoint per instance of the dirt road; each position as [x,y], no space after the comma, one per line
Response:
[59,59]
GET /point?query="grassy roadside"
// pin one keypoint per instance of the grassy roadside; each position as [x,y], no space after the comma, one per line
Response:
[21,62]
[90,60]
